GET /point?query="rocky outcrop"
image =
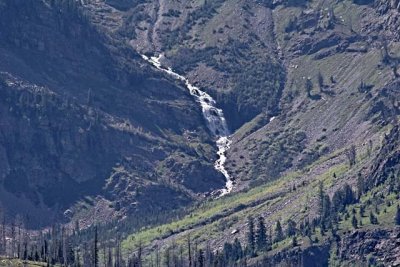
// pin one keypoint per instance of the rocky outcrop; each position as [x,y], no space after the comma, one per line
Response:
[313,256]
[378,246]
[388,161]
[385,6]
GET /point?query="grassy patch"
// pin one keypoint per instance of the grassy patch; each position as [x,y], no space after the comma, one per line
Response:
[17,263]
[214,216]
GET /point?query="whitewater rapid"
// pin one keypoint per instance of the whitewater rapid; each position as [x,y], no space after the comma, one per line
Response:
[214,117]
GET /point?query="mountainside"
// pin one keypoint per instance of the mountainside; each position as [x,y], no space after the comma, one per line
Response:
[301,63]
[84,116]
[129,118]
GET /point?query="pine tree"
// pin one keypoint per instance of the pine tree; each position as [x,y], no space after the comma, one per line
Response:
[294,241]
[278,232]
[291,228]
[70,254]
[117,257]
[320,81]
[354,222]
[261,236]
[200,258]
[321,194]
[237,248]
[348,195]
[96,249]
[250,236]
[372,218]
[189,251]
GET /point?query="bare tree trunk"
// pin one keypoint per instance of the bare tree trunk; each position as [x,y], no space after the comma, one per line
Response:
[189,251]
[12,251]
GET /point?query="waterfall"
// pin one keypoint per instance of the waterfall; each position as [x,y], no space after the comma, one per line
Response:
[214,117]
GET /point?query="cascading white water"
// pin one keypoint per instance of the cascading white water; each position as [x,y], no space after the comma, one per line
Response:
[214,117]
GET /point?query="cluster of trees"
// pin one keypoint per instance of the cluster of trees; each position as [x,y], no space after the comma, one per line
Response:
[53,246]
[84,247]
[258,241]
[330,208]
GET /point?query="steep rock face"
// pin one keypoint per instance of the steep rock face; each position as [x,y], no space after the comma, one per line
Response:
[363,247]
[82,115]
[312,256]
[385,6]
[387,164]
[226,47]
[255,58]
[382,246]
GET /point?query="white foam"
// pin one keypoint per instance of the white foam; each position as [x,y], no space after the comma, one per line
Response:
[214,117]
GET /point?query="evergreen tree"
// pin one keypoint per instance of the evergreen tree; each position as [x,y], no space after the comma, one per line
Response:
[70,254]
[294,241]
[354,222]
[232,252]
[200,258]
[261,236]
[95,249]
[321,194]
[320,81]
[238,250]
[362,210]
[372,218]
[278,232]
[348,193]
[291,228]
[189,243]
[250,236]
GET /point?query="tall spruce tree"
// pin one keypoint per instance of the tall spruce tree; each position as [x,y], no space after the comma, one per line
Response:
[189,247]
[278,232]
[291,228]
[200,258]
[250,236]
[261,235]
[321,194]
[354,222]
[95,249]
[372,218]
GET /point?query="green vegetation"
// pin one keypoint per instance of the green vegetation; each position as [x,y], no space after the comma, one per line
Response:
[20,263]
